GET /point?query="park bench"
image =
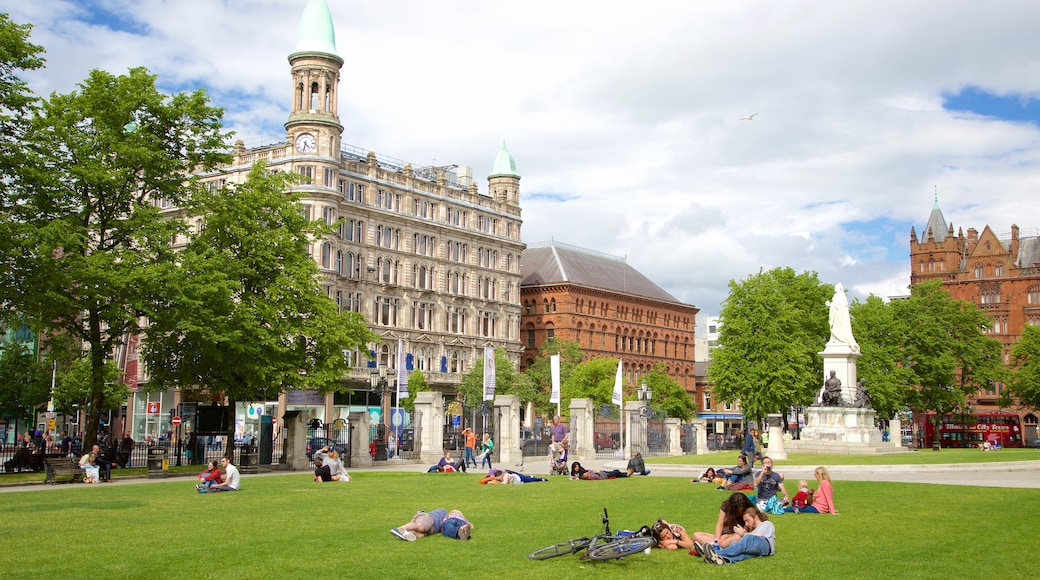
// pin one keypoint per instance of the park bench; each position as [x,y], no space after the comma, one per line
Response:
[62,467]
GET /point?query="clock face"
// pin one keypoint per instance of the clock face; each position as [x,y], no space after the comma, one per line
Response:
[306,143]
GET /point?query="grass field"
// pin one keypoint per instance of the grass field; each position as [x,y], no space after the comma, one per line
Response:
[285,526]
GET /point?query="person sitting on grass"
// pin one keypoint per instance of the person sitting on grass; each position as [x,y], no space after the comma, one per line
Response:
[435,522]
[322,472]
[737,478]
[757,538]
[579,472]
[445,465]
[330,459]
[231,479]
[208,477]
[823,499]
[636,466]
[802,499]
[671,536]
[731,513]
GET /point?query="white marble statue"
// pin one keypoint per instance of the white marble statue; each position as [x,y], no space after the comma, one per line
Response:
[841,325]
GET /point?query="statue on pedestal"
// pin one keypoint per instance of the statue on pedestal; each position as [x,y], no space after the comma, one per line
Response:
[830,394]
[841,325]
[862,396]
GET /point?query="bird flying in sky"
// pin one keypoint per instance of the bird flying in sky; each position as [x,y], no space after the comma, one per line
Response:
[750,117]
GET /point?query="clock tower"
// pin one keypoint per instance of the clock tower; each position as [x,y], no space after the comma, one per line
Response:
[313,127]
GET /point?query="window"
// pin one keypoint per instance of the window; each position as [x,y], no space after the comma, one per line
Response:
[487,324]
[326,255]
[422,315]
[422,208]
[422,277]
[307,171]
[388,271]
[487,288]
[455,320]
[388,237]
[978,270]
[530,339]
[330,178]
[455,362]
[386,311]
[305,211]
[999,270]
[352,301]
[352,266]
[351,230]
[1033,295]
[352,192]
[456,251]
[388,200]
[328,214]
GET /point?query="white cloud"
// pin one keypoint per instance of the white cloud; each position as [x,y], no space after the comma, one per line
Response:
[624,118]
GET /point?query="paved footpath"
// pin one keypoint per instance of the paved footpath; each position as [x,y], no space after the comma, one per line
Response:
[1021,474]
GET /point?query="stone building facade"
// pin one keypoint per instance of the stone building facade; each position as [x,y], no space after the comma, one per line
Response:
[426,255]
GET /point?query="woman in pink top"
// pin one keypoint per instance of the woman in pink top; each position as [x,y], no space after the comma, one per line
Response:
[823,500]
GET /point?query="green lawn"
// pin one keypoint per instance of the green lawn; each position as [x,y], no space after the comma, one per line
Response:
[285,526]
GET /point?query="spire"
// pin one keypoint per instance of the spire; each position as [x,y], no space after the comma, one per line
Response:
[936,223]
[317,33]
[505,165]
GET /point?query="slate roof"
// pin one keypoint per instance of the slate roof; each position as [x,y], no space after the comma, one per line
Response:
[544,263]
[1028,252]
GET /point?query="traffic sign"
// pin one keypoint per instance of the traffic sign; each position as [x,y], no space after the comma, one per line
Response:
[175,421]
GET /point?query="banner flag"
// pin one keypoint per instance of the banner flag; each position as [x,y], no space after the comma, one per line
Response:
[554,367]
[489,373]
[616,397]
[402,372]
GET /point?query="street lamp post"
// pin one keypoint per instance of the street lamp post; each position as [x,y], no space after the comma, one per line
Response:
[379,385]
[643,393]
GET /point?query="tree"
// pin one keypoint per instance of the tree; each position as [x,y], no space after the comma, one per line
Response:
[882,335]
[508,381]
[83,247]
[74,387]
[416,384]
[16,100]
[774,324]
[593,379]
[540,374]
[245,314]
[24,382]
[1025,381]
[668,395]
[945,348]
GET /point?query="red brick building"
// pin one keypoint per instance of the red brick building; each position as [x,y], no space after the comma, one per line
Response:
[999,273]
[608,308]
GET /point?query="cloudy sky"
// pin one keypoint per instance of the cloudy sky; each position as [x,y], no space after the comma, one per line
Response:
[625,119]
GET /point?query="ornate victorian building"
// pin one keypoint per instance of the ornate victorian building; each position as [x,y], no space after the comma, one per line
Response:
[1000,274]
[427,256]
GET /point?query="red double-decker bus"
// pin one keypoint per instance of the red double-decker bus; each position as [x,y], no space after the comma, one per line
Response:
[972,430]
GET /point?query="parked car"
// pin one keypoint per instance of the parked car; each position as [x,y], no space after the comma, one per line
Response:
[1035,443]
[604,441]
[316,443]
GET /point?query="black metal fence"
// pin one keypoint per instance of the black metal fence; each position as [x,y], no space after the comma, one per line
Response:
[13,459]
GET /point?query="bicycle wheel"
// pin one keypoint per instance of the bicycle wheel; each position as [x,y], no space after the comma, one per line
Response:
[560,549]
[618,548]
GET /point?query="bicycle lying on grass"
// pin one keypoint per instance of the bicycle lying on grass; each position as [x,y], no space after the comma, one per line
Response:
[605,546]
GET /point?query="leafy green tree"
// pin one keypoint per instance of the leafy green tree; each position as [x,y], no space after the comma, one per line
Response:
[508,381]
[74,388]
[16,100]
[668,395]
[774,324]
[416,384]
[593,379]
[540,373]
[882,335]
[24,382]
[83,247]
[1025,381]
[245,314]
[946,349]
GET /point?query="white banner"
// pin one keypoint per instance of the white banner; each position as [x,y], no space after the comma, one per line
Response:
[616,397]
[402,372]
[554,367]
[489,373]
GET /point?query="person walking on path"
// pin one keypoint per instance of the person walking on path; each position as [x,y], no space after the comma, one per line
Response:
[486,447]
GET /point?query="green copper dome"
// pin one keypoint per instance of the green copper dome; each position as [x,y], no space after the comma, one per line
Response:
[317,33]
[504,165]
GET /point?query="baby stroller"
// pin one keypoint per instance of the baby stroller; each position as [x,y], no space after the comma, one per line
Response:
[558,459]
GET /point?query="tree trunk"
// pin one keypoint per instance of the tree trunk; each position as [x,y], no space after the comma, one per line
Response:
[229,444]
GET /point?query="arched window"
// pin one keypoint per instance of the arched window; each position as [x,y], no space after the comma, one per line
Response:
[326,255]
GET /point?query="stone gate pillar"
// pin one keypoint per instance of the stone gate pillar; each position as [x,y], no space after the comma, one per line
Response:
[430,439]
[507,421]
[359,439]
[582,427]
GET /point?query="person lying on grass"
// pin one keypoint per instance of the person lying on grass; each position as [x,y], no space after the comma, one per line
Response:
[579,472]
[757,538]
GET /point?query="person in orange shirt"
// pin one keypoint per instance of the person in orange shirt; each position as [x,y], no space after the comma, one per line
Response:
[471,444]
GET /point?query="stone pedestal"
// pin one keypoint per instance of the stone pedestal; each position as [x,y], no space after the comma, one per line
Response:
[841,359]
[775,449]
[429,407]
[359,439]
[895,432]
[701,433]
[582,426]
[673,426]
[635,429]
[507,422]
